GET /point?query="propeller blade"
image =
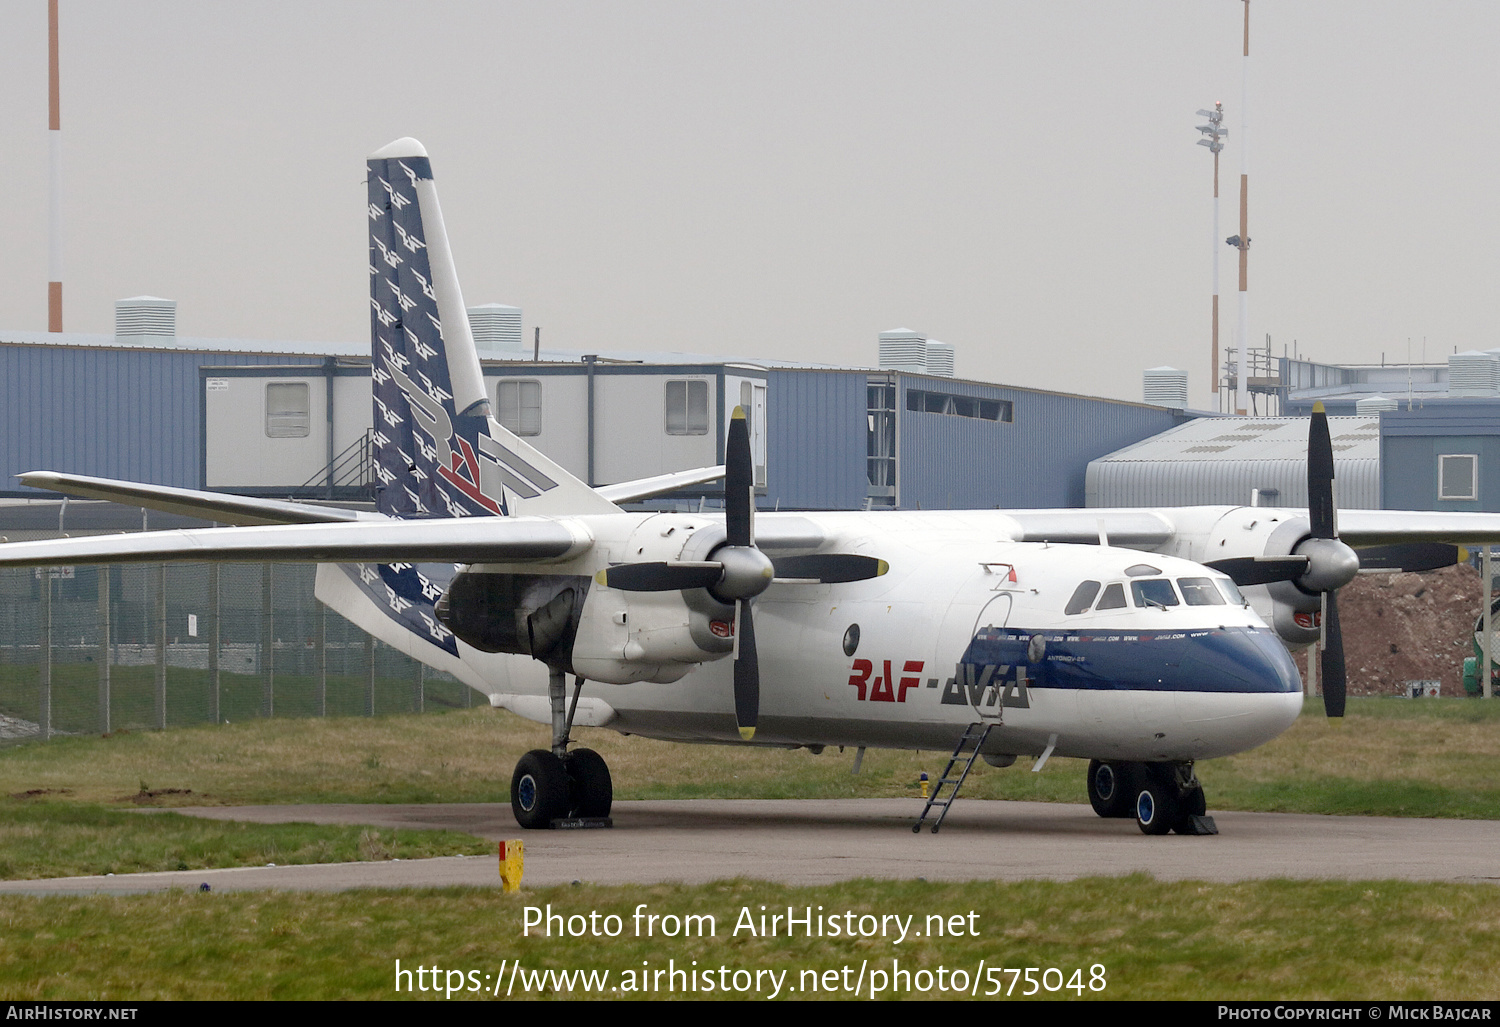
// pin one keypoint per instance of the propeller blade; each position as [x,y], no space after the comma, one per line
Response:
[1410,556]
[1332,669]
[660,577]
[1320,475]
[1261,570]
[746,673]
[830,568]
[739,482]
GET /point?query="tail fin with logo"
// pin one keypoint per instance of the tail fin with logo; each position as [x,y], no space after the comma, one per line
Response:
[438,450]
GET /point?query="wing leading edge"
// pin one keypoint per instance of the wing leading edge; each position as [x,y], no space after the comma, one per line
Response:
[477,540]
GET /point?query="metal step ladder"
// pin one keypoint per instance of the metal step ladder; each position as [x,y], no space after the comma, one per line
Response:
[967,750]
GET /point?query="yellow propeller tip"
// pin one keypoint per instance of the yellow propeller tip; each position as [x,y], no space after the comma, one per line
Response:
[1319,408]
[1336,721]
[601,576]
[882,568]
[747,733]
[738,415]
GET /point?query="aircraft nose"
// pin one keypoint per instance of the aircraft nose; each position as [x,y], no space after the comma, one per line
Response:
[1244,660]
[1246,692]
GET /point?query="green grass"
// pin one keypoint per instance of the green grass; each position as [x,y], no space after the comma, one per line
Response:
[55,839]
[1158,941]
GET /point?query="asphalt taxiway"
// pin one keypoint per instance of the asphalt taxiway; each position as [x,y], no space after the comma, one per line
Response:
[815,841]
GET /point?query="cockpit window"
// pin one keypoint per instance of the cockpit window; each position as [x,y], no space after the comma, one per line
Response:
[1114,598]
[1153,592]
[1199,592]
[1232,591]
[1083,598]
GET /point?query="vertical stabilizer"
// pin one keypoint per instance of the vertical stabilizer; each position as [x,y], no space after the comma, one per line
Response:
[438,452]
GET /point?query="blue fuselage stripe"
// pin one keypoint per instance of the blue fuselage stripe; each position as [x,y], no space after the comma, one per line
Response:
[1224,659]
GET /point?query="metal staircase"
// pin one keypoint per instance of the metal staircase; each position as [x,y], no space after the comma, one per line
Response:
[967,750]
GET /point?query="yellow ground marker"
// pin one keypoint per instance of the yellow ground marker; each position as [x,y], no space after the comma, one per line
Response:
[512,859]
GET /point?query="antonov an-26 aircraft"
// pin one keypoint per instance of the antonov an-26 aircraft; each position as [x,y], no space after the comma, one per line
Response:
[1142,640]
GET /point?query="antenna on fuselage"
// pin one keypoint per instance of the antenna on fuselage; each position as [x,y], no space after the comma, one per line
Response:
[1103,534]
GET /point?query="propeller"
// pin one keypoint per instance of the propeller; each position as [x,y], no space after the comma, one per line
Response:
[1321,564]
[1331,563]
[737,571]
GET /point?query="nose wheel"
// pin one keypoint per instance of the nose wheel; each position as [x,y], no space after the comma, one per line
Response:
[1162,797]
[1171,799]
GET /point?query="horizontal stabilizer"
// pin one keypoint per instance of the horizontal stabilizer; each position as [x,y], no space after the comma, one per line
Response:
[210,506]
[466,540]
[644,488]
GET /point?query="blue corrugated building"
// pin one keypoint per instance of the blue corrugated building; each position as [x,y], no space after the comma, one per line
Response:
[834,438]
[1444,456]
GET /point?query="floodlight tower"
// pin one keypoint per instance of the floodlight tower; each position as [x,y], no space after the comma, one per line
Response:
[1242,241]
[1213,138]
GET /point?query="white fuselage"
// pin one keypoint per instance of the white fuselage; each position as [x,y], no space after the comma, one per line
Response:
[966,625]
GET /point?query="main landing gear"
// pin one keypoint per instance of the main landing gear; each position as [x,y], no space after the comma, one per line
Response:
[558,788]
[1161,796]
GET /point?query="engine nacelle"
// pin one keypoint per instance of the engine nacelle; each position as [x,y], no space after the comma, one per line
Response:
[528,614]
[1250,531]
[655,636]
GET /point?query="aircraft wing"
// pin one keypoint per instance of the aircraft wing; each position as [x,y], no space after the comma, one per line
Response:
[463,540]
[211,506]
[643,488]
[1391,527]
[1136,529]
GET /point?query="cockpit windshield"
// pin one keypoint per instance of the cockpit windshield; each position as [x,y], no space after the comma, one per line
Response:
[1153,592]
[1200,592]
[1083,598]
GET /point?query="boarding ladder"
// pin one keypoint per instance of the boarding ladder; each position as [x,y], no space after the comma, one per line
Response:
[966,751]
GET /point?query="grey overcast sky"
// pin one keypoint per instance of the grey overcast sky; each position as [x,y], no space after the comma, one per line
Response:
[778,179]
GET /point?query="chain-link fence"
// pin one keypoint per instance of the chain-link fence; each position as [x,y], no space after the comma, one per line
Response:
[89,650]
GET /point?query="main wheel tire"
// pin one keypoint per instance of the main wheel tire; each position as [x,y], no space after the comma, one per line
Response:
[589,783]
[1112,788]
[539,790]
[1158,806]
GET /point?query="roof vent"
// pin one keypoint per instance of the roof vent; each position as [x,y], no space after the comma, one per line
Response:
[1166,387]
[902,349]
[146,317]
[497,330]
[1374,404]
[1473,374]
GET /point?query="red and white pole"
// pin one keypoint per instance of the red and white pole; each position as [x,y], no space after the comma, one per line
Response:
[54,204]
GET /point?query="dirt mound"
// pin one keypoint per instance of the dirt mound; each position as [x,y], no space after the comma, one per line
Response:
[1408,627]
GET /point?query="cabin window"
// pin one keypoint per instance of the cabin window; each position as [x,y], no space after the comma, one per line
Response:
[1083,598]
[1458,477]
[687,408]
[1153,592]
[519,402]
[288,410]
[1114,598]
[1199,592]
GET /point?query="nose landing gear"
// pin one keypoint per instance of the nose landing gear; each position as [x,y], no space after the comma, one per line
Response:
[1162,797]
